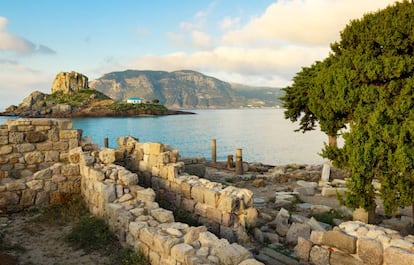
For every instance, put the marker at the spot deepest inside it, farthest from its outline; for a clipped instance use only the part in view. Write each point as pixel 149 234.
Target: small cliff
pixel 69 82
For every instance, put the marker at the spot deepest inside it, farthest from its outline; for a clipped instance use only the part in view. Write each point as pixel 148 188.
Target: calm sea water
pixel 263 134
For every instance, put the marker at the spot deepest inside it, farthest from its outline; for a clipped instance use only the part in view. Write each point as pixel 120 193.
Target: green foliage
pixel 93 234
pixel 77 98
pixel 329 216
pixel 366 83
pixel 59 214
pixel 141 108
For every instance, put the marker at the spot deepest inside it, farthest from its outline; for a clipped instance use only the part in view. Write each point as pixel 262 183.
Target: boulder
pixel 69 82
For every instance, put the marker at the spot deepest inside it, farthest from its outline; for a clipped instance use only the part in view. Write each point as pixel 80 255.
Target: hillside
pixel 71 97
pixel 183 89
pixel 259 96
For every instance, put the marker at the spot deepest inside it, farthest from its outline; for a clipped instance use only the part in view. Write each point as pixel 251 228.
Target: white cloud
pixel 273 65
pixel 18 81
pixel 229 23
pixel 272 47
pixel 316 22
pixel 14 43
pixel 200 39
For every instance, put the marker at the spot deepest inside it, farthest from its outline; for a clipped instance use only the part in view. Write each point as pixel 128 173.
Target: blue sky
pixel 259 42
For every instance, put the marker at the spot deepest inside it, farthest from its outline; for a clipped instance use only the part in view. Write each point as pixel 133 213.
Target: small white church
pixel 134 100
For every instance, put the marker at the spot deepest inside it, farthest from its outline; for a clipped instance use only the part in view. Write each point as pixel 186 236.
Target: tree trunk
pixel 332 140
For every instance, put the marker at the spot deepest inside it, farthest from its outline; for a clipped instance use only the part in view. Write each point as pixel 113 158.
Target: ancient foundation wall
pixel 111 191
pixel 226 210
pixel 357 243
pixel 28 149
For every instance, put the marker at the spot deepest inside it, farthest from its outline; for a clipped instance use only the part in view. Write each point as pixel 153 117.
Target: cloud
pixel 314 22
pixel 18 81
pixel 269 64
pixel 229 23
pixel 201 39
pixel 14 43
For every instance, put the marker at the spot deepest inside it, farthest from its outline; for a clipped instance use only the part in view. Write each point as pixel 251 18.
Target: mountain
pixel 259 96
pixel 71 97
pixel 184 89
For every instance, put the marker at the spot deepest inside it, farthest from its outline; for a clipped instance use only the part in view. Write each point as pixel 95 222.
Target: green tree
pixel 367 82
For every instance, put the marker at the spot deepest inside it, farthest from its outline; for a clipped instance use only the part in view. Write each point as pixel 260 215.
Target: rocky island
pixel 71 97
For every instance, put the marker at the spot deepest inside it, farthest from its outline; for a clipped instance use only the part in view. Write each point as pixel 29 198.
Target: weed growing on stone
pixel 60 214
pixel 329 216
pixel 93 234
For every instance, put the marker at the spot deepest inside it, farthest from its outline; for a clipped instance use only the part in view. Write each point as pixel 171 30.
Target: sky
pixel 260 42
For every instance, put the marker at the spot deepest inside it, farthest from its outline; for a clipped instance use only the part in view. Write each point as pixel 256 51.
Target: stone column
pixel 213 151
pixel 106 142
pixel 239 162
pixel 230 161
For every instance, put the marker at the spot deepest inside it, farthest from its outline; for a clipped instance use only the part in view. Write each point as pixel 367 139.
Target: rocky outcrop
pixel 69 82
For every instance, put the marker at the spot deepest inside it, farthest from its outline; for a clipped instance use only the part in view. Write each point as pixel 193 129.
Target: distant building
pixel 134 100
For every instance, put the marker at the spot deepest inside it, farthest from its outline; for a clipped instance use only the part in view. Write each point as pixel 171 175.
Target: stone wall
pixel 31 172
pixel 29 145
pixel 226 210
pixel 357 243
pixel 111 191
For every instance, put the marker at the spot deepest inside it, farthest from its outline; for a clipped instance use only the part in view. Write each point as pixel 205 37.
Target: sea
pixel 263 134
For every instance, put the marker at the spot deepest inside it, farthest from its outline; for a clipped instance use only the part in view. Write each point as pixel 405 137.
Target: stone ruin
pixel 47 162
pixel 69 82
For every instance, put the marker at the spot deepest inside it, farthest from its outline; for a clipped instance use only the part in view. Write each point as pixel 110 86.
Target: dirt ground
pixel 28 242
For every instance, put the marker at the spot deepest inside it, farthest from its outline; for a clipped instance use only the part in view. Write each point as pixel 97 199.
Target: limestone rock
pixel 69 82
pixel 319 255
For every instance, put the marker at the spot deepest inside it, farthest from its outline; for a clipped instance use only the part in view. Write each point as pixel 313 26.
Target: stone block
pixel 326 171
pixel 303 249
pixel 28 198
pixel 305 191
pixel 35 157
pixel 42 198
pixel 70 170
pixel 127 178
pixel 207 239
pixel 197 193
pixel 156 148
pixel 316 237
pixel 6 149
pixel 181 251
pixel 52 156
pixel 330 191
pixel 340 258
pixel 370 251
pixel 146 195
pixel 35 184
pixel 15 185
pixel 163 243
pixel 69 134
pixel 107 156
pixel 15 138
pixel 232 254
pixel 297 230
pixel 60 146
pixel 360 214
pixel 319 255
pixel 214 214
pixel 64 124
pixel 188 205
pixel 395 256
pixel 201 209
pixel 162 215
pixel 35 137
pixel 8 198
pixel 340 240
pixel 193 234
pixel 227 203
